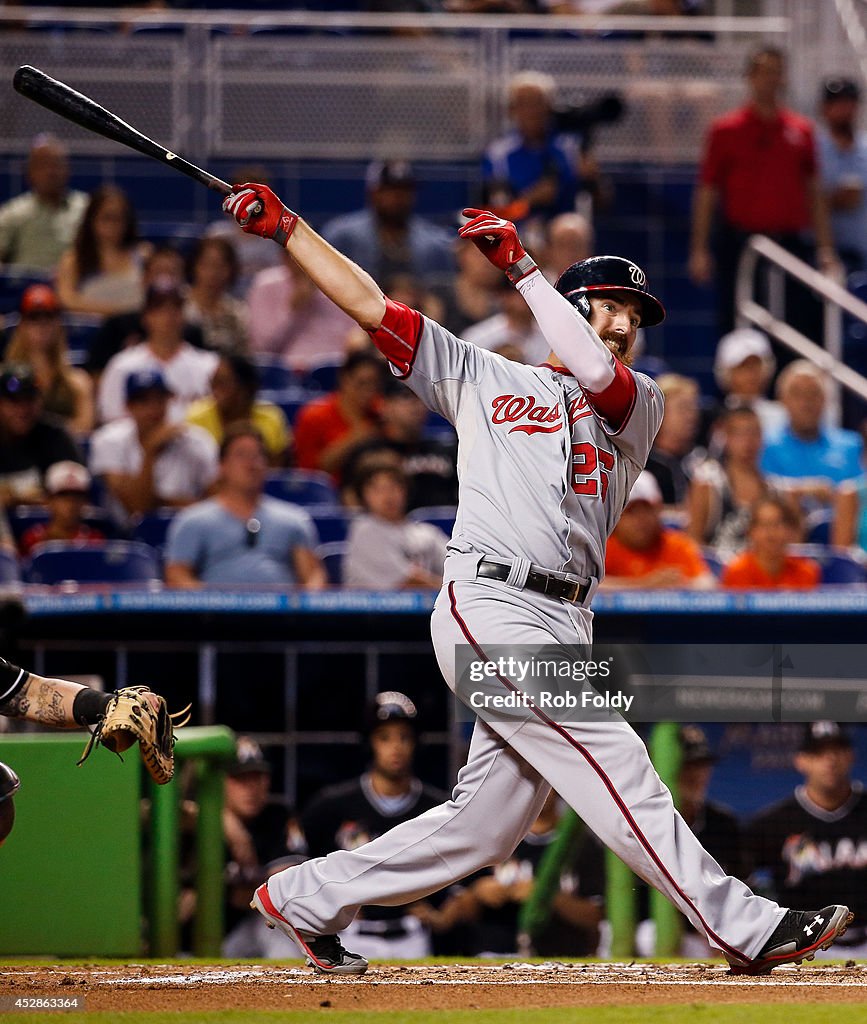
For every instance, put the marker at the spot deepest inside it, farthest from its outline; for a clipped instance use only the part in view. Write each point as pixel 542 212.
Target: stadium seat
pixel 289 399
pixel 118 561
pixel 302 486
pixel 840 566
pixel 818 526
pixel 10 571
pixel 442 516
pixel 274 376
pixel 714 562
pixel 331 523
pixel 152 528
pixel 322 377
pixel 331 555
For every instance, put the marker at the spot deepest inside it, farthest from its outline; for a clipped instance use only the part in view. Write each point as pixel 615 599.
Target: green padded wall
pixel 71 870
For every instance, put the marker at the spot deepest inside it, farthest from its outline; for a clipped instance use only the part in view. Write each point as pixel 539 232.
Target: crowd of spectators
pixel 214 386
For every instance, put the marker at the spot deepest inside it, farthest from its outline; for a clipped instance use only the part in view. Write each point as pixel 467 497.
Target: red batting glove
pixel 497 239
pixel 259 212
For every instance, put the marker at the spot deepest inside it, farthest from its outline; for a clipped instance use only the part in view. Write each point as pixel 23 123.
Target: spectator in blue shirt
pixel 843 169
pixel 806 457
pixel 387 237
pixel 534 170
pixel 243 536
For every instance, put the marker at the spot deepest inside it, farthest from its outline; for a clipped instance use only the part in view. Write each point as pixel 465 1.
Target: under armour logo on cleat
pixel 817 920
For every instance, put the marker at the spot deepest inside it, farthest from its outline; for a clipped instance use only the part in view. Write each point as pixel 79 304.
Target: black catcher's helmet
pixel 605 274
pixel 390 706
pixel 9 785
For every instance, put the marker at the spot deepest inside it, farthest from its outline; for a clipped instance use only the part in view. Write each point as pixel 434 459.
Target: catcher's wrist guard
pixel 89 706
pixel 135 713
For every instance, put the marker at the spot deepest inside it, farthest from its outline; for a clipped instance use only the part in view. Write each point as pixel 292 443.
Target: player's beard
pixel 615 344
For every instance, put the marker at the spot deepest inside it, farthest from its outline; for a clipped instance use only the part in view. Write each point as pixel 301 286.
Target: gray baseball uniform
pixel 545 468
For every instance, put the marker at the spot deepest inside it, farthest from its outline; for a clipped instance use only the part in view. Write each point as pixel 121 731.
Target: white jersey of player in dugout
pixel 546 459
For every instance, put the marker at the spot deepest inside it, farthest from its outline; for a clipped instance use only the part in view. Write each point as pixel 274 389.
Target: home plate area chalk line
pixel 511 974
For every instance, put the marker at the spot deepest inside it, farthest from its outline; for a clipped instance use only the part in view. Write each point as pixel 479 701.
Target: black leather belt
pixel 553 584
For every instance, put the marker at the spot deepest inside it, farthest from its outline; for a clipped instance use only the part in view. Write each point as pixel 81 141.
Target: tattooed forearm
pixel 39 700
pixel 17 706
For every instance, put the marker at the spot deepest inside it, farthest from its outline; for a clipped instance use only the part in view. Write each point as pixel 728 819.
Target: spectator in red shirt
pixel 327 428
pixel 760 168
pixel 767 563
pixel 67 485
pixel 642 553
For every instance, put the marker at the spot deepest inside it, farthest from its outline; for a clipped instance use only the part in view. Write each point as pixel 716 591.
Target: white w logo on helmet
pixel 637 275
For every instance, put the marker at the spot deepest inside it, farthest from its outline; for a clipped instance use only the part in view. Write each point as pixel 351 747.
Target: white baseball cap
pixel 737 346
pixel 67 476
pixel 646 489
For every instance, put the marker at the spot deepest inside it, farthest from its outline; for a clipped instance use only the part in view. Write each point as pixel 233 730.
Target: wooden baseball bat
pixel 74 106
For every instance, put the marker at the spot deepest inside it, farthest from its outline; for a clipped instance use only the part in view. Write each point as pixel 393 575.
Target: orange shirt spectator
pixel 673 550
pixel 643 553
pixel 745 571
pixel 767 563
pixel 327 428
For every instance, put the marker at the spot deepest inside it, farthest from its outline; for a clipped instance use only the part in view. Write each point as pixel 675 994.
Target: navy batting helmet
pixel 390 706
pixel 608 274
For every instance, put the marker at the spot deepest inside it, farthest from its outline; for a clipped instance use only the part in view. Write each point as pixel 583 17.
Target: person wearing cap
pixel 38 225
pixel 808 459
pixel 759 173
pixel 814 841
pixel 29 441
pixel 39 340
pixel 242 536
pixel 722 492
pixel 67 491
pixel 744 367
pixel 535 170
pixel 346 815
pixel 644 554
pixel 387 237
pixel 767 563
pixel 262 835
pixel 843 168
pixel 187 370
pixel 145 460
pixel 292 321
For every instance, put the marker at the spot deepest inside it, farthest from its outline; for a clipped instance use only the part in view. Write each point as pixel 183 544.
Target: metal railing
pixel 306 85
pixel 770 318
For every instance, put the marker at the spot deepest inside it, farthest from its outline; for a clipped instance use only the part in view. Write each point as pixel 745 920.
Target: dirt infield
pixel 153 987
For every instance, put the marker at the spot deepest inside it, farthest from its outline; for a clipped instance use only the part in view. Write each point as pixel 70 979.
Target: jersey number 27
pixel 586 459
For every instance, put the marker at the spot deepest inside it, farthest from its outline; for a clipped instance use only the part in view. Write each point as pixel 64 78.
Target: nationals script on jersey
pixel 542 474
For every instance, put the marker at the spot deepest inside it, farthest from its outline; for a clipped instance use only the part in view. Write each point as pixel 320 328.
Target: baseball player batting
pixel 547 456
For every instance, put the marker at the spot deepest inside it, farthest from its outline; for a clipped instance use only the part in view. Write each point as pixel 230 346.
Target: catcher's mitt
pixel 136 713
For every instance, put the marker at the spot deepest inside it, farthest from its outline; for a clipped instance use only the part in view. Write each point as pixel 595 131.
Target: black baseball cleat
pixel 798 937
pixel 325 953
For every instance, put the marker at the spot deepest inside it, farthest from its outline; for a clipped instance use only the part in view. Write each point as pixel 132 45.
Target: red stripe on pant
pixel 609 785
